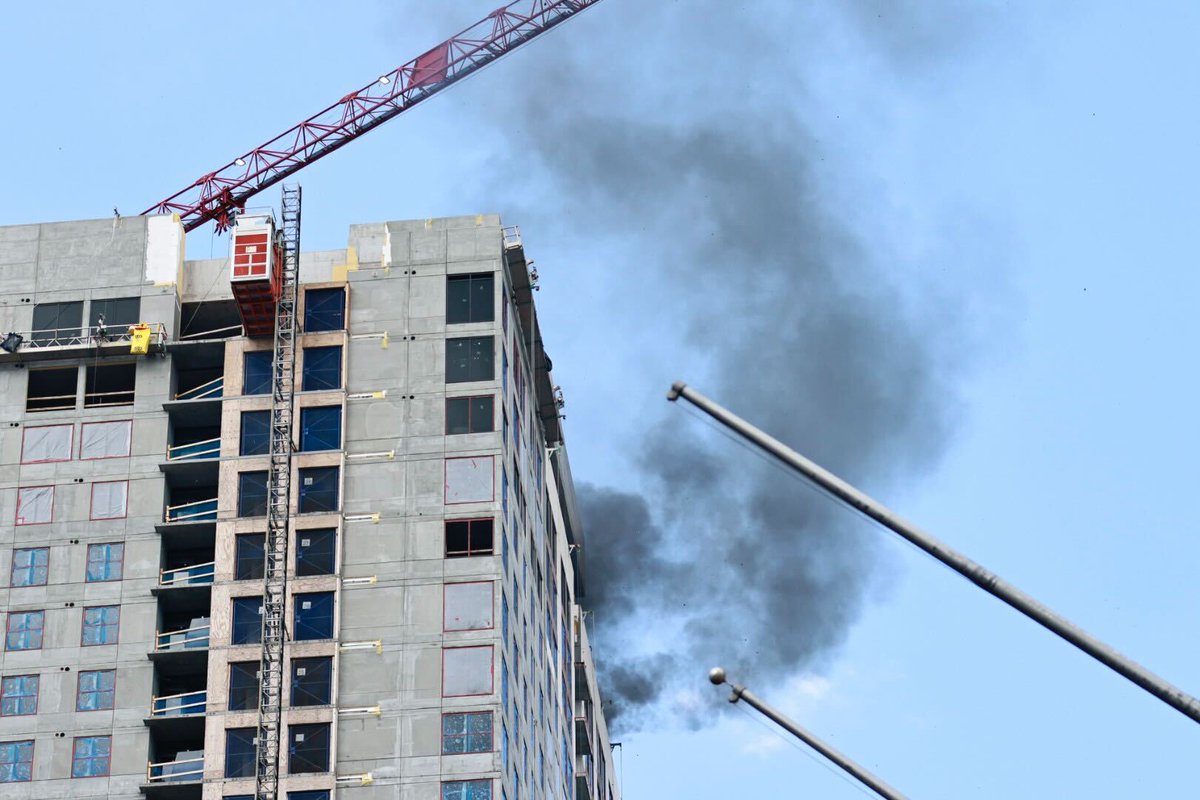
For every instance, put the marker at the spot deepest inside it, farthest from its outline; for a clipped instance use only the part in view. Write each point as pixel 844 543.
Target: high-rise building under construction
pixel 434 647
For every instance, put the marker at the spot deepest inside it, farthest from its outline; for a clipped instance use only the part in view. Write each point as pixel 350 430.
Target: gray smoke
pixel 680 132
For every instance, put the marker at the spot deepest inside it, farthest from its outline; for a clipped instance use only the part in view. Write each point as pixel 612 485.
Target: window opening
pixel 256 433
pixel 252 494
pixel 44 443
pixel 322 368
pixel 468 537
pixel 240 752
pixel 52 389
pixel 467 790
pixel 256 372
pixel 105 439
pixel 30 567
pixel 321 428
pixel 466 671
pixel 312 681
pixel 96 690
pixel 109 385
pixel 118 313
pixel 18 695
pixel 56 323
pixel 24 630
pixel 470 414
pixel 318 489
pixel 16 761
pixel 470 358
pixel 249 556
pixel 247 621
pixel 243 686
pixel 308 748
pixel 91 756
pixel 467 733
pixel 467 606
pixel 316 551
pixel 470 298
pixel 324 310
pixel 101 625
pixel 105 562
pixel 312 616
pixel 110 499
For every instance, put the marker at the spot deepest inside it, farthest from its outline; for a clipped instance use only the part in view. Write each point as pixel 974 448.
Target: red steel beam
pixel 220 194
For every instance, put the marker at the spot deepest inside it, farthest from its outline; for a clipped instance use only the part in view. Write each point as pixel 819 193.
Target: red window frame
pixel 75 751
pixel 12 568
pixel 491 423
pixel 446 586
pixel 470 551
pixel 491 670
pixel 491 715
pixel 79 679
pixel 37 695
pixel 8 630
pixel 446 484
pixel 17 516
pixel 83 626
pixel 92 501
pixel 128 422
pixel 88 557
pixel 70 445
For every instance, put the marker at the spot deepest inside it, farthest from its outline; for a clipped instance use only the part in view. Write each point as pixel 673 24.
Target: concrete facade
pixel 437 649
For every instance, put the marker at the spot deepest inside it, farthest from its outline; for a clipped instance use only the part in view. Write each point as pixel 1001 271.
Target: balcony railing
pixel 210 390
pixel 194 575
pixel 192 638
pixel 182 769
pixel 199 511
pixel 179 705
pixel 209 448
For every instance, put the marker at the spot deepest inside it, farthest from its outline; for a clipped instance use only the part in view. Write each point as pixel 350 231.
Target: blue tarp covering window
pixel 312 616
pixel 318 489
pixel 96 688
pixel 100 625
pixel 18 695
pixel 256 372
pixel 104 561
pixel 24 630
pixel 252 494
pixel 322 368
pixel 467 733
pixel 321 428
pixel 311 681
pixel 239 752
pixel 315 551
pixel 247 621
pixel 324 310
pixel 30 566
pixel 16 761
pixel 256 433
pixel 467 790
pixel 92 754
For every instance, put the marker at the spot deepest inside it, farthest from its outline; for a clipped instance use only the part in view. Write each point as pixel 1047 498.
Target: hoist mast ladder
pixel 279 492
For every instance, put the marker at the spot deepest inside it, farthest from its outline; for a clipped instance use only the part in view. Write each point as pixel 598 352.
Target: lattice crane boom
pixel 220 194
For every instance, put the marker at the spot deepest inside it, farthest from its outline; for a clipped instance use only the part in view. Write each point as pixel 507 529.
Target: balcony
pixel 193 638
pixel 178 705
pixel 198 511
pixel 179 779
pixel 178 717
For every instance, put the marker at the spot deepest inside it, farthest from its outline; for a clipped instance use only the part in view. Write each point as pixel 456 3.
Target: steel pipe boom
pixel 220 194
pixel 988 581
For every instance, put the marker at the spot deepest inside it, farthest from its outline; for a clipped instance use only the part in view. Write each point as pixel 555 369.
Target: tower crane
pixel 265 267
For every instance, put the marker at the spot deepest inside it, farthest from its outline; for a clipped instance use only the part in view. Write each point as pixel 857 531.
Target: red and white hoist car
pixel 256 271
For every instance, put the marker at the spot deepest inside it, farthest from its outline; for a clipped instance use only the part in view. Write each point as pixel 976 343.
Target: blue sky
pixel 1018 179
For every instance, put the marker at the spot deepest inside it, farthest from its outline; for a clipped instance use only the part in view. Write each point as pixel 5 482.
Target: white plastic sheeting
pixel 470 480
pixel 468 606
pixel 109 499
pixel 35 504
pixel 105 439
pixel 466 670
pixel 47 443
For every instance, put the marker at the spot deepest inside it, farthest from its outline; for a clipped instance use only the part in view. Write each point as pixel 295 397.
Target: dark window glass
pixel 119 313
pixel 247 621
pixel 249 556
pixel 252 494
pixel 324 310
pixel 312 616
pixel 318 489
pixel 256 433
pixel 322 368
pixel 239 752
pixel 470 414
pixel 312 679
pixel 315 551
pixel 321 428
pixel 308 748
pixel 30 566
pixel 52 389
pixel 467 733
pixel 470 358
pixel 91 756
pixel 256 372
pixel 467 790
pixel 95 690
pixel 468 537
pixel 470 298
pixel 18 695
pixel 243 686
pixel 312 794
pixel 53 321
pixel 108 385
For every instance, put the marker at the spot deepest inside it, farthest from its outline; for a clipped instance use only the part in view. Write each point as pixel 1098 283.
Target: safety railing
pixel 121 397
pixel 187 639
pixel 179 705
pixel 185 769
pixel 209 448
pixel 50 402
pixel 205 391
pixel 83 337
pixel 194 575
pixel 199 511
pixel 512 237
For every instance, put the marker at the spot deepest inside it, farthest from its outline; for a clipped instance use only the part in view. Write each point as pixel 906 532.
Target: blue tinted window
pixel 318 489
pixel 317 794
pixel 91 758
pixel 467 733
pixel 96 689
pixel 30 566
pixel 311 681
pixel 24 630
pixel 467 790
pixel 256 372
pixel 321 428
pixel 249 556
pixel 256 433
pixel 322 368
pixel 16 761
pixel 239 752
pixel 18 695
pixel 313 616
pixel 100 625
pixel 308 748
pixel 324 310
pixel 252 494
pixel 105 561
pixel 247 621
pixel 316 551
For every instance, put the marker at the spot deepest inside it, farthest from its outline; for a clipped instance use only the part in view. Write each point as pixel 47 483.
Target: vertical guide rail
pixel 279 486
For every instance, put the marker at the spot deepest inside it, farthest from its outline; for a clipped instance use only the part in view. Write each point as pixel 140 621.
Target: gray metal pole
pixel 988 581
pixel 717 676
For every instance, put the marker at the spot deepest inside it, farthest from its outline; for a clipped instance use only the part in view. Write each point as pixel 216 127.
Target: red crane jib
pixel 222 194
